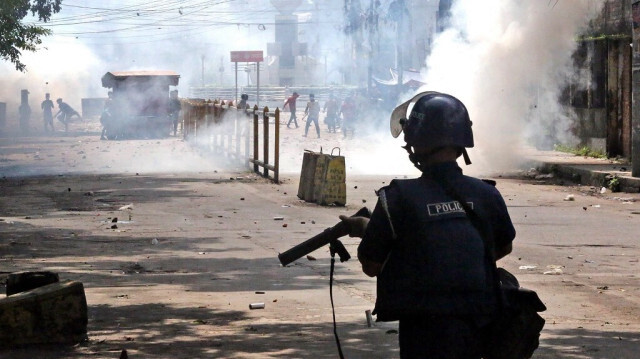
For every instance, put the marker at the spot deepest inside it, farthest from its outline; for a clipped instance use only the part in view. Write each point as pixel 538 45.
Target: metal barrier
pixel 226 131
pixel 275 167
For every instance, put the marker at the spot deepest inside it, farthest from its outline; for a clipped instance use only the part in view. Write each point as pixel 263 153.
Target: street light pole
pixel 202 58
pixel 400 61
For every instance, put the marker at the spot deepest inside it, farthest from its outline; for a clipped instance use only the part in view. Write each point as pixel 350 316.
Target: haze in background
pixel 191 37
pixel 507 60
pixel 91 38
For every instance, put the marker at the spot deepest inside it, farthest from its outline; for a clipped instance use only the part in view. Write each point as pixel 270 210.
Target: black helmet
pixel 436 120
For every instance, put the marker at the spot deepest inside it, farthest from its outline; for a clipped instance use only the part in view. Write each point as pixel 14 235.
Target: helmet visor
pixel 399 114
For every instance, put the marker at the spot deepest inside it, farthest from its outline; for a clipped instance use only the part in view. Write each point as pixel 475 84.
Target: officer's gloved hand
pixel 356 226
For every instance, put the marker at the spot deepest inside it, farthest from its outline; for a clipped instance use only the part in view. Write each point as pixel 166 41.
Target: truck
pixel 139 105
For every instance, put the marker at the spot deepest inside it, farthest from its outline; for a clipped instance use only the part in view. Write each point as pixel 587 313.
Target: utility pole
pixel 635 101
pixel 202 58
pixel 371 20
pixel 221 70
pixel 398 9
pixel 635 113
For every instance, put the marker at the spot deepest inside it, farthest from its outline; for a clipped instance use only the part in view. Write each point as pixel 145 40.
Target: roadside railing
pixel 264 163
pixel 235 134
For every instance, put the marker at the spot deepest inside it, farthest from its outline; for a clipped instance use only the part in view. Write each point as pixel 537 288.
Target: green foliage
pixel 613 183
pixel 584 151
pixel 15 35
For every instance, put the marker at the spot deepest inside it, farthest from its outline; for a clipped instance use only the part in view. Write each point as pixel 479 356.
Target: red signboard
pixel 247 56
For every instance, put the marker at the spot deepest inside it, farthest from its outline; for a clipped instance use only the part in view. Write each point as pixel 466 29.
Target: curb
pixel 586 176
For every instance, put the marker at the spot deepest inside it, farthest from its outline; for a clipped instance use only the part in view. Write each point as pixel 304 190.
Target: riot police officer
pixel 424 246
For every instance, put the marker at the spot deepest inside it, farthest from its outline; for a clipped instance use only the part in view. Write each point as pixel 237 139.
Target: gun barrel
pixel 306 247
pixel 318 240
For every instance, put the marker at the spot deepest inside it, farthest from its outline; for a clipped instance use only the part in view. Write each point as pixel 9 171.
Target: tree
pixel 15 35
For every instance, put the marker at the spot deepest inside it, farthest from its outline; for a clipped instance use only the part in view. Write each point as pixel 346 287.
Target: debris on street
pixel 553 270
pixel 527 267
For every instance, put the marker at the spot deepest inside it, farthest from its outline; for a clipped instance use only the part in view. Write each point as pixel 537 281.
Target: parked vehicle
pixel 140 103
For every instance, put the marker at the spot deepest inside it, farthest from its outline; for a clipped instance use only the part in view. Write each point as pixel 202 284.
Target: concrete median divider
pixel 24 281
pixel 52 314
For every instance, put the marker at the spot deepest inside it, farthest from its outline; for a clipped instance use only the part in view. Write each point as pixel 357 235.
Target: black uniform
pixel 436 279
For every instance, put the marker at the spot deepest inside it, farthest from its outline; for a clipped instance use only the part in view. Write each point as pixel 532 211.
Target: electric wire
pixel 162 20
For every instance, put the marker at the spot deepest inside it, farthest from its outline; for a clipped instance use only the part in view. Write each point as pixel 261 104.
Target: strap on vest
pixel 481 227
pixel 383 202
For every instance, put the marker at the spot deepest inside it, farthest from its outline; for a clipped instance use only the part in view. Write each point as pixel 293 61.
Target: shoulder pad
pixel 381 189
pixel 385 188
pixel 488 181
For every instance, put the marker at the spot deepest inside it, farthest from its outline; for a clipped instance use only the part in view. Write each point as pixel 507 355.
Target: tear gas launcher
pixel 328 236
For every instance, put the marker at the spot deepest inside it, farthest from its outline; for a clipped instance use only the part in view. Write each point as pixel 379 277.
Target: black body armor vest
pixel 437 263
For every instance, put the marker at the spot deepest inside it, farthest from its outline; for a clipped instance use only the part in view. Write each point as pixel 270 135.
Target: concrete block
pixel 23 281
pixel 52 314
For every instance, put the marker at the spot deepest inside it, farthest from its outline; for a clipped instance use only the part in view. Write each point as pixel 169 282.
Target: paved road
pixel 188 295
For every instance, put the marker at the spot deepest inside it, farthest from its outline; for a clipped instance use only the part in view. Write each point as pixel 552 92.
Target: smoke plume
pixel 508 61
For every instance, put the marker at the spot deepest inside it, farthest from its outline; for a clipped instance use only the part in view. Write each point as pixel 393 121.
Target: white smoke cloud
pixel 508 60
pixel 66 69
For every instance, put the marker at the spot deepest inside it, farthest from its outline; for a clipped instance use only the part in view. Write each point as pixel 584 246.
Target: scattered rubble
pixel 553 270
pixel 135 268
pixel 544 176
pixel 527 267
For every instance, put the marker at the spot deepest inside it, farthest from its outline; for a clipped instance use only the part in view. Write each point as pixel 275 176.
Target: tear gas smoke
pixel 508 61
pixel 61 68
pixel 192 38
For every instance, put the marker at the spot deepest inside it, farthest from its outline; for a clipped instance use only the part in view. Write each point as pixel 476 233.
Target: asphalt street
pixel 192 250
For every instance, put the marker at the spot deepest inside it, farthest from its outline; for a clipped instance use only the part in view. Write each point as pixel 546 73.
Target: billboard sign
pixel 247 56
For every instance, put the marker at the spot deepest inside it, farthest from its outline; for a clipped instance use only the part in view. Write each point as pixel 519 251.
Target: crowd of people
pixel 342 115
pixel 64 114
